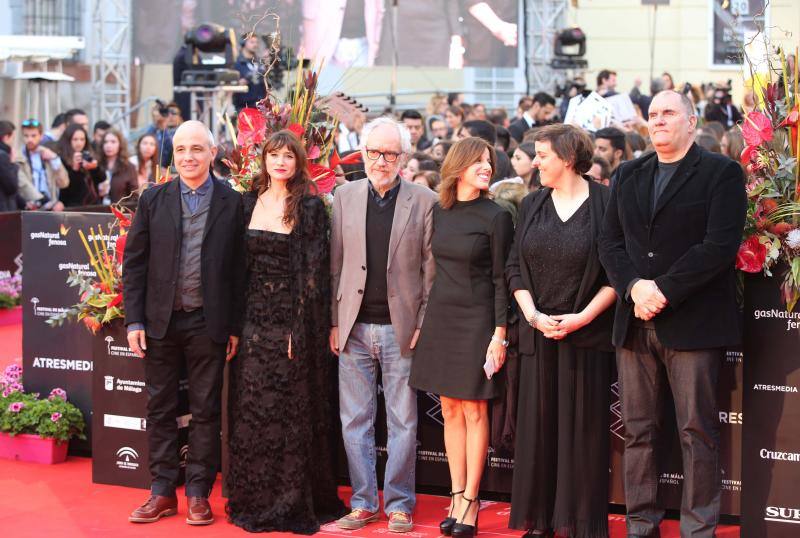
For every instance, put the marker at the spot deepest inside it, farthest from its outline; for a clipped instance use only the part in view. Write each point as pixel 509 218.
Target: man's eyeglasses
pixel 31 123
pixel 388 156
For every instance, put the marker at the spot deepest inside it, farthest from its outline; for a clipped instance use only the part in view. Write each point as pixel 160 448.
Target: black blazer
pixel 596 334
pixel 517 128
pixel 152 257
pixel 687 245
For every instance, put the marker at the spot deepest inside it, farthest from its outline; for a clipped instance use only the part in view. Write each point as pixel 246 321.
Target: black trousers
pixel 647 370
pixel 186 342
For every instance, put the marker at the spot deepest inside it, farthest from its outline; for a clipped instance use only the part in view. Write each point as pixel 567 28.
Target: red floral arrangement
pixel 101 294
pixel 772 229
pixel 305 117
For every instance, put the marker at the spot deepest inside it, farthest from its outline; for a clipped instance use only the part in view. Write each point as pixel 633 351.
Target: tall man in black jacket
pixel 671 232
pixel 183 278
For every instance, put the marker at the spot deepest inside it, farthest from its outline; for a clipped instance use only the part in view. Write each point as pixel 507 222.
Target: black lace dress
pixel 282 444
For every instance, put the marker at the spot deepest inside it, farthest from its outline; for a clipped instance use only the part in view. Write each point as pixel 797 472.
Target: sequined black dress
pixel 282 474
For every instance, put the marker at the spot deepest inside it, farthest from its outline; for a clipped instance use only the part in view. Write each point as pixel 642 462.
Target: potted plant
pixel 10 296
pixel 35 429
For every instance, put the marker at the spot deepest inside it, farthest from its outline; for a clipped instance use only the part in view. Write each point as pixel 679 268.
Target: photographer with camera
pixel 162 131
pixel 41 174
pixel 721 108
pixel 78 157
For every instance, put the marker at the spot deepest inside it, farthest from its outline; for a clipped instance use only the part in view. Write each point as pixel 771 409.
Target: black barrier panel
pixel 119 428
pixel 433 473
pixel 11 244
pixel 670 480
pixel 57 356
pixel 771 440
pixel 119 408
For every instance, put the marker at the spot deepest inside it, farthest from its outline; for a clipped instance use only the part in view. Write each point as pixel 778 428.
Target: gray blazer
pixel 409 270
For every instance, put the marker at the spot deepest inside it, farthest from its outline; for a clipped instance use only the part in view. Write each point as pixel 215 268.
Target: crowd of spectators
pixel 447 119
pixel 71 164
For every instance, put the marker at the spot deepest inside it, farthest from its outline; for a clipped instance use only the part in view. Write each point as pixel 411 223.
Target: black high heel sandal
pixel 446 525
pixel 460 530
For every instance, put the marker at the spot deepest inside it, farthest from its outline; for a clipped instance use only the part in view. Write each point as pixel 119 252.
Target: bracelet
pixel 534 318
pixel 504 343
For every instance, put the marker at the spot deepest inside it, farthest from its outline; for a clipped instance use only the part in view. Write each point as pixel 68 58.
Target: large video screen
pixel 347 33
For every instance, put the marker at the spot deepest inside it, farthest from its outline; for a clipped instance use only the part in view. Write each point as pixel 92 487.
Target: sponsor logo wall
pixel 57 356
pixel 433 473
pixel 771 438
pixel 119 441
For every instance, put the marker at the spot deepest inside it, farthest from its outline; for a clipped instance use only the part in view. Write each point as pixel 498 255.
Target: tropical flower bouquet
pixel 26 413
pixel 306 115
pixel 101 295
pixel 772 230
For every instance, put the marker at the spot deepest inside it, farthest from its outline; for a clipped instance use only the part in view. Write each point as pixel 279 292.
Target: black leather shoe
pixel 460 530
pixel 447 524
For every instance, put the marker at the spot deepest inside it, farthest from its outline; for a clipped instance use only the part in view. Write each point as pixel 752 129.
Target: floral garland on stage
pixel 770 158
pixel 307 116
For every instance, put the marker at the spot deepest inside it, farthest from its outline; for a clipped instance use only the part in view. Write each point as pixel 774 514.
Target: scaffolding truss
pixel 544 19
pixel 110 60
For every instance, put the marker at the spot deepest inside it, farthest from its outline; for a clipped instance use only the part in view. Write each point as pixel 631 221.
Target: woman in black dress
pixel 465 321
pixel 282 473
pixel 561 454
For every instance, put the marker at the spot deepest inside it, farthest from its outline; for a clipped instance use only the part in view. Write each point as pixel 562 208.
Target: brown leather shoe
pixel 199 512
pixel 154 509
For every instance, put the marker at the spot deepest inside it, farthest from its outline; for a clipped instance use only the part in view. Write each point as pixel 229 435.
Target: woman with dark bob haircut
pixel 564 345
pixel 282 472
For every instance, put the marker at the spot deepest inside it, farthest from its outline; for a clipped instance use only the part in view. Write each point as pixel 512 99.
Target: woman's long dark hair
pixel 141 161
pixel 65 150
pixel 122 156
pixel 298 185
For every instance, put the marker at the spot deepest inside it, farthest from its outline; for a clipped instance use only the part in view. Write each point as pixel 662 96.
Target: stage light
pixel 567 41
pixel 210 38
pixel 210 70
pixel 569 49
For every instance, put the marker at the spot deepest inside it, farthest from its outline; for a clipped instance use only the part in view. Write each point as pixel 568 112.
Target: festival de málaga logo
pixel 118 351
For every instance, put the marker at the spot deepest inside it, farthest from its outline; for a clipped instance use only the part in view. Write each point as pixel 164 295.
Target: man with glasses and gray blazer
pixel 382 270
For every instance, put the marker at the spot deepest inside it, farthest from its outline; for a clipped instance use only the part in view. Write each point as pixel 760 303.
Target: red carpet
pixel 10 345
pixel 61 500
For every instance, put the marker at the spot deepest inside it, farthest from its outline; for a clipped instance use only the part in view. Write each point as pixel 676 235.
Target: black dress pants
pixel 186 342
pixel 647 369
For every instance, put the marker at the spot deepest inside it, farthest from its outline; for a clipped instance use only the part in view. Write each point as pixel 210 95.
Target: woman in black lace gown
pixel 282 436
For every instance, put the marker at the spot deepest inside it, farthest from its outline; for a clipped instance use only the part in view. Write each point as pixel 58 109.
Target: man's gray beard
pixel 383 185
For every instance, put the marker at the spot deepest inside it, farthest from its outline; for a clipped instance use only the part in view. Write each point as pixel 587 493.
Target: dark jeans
pixel 187 341
pixel 647 370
